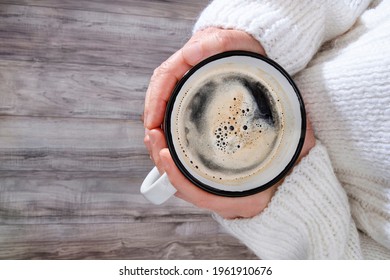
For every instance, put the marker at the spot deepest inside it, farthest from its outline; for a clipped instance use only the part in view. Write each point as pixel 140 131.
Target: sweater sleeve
pixel 308 217
pixel 290 31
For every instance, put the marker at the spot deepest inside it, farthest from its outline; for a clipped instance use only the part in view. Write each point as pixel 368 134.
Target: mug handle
pixel 156 188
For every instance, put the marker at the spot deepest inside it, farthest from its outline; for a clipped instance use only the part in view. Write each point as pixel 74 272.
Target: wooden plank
pixel 184 9
pixel 71 36
pixel 84 197
pixel 100 215
pixel 39 144
pixel 193 240
pixel 71 90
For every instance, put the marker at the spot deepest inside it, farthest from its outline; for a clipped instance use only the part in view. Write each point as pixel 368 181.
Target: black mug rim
pixel 168 135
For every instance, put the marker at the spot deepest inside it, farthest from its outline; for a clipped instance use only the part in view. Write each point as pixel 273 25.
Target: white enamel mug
pixel 157 189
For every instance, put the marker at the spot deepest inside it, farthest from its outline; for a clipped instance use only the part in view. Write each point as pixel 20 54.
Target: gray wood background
pixel 73 75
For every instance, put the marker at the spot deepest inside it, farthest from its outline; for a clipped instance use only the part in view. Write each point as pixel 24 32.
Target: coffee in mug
pixel 234 125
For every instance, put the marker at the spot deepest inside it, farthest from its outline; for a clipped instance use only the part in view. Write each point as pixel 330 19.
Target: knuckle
pixel 146 140
pixel 223 39
pixel 162 69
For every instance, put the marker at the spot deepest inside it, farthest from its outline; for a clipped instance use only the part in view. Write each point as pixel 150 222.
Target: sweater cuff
pixel 289 31
pixel 308 217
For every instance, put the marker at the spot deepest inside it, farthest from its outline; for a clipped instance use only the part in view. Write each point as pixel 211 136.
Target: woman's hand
pixel 202 45
pixel 227 207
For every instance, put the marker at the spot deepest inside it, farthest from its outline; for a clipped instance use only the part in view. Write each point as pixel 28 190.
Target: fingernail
pixel 192 53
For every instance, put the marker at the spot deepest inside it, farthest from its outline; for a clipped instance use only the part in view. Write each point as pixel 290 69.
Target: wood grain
pixel 41 34
pixel 120 241
pixel 72 145
pixel 71 90
pixel 82 197
pixel 183 9
pixel 73 77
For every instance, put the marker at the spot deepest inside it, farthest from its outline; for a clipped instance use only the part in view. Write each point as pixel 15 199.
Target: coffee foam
pixel 230 126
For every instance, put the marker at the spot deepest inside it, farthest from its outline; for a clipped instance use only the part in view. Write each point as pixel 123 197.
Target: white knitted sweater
pixel 336 202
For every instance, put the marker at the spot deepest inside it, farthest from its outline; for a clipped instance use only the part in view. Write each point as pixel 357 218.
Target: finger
pixel 161 85
pixel 148 144
pixel 157 143
pixel 185 189
pixel 210 41
pixel 214 40
pixel 227 207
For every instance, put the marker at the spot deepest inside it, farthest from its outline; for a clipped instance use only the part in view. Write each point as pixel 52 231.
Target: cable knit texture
pixel 290 31
pixel 313 206
pixel 336 202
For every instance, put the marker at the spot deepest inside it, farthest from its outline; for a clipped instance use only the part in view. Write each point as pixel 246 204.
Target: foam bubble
pixel 228 126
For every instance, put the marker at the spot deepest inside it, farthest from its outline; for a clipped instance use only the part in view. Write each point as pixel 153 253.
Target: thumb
pixel 185 189
pixel 211 41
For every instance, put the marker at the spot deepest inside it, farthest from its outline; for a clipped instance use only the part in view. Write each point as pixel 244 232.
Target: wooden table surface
pixel 73 76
